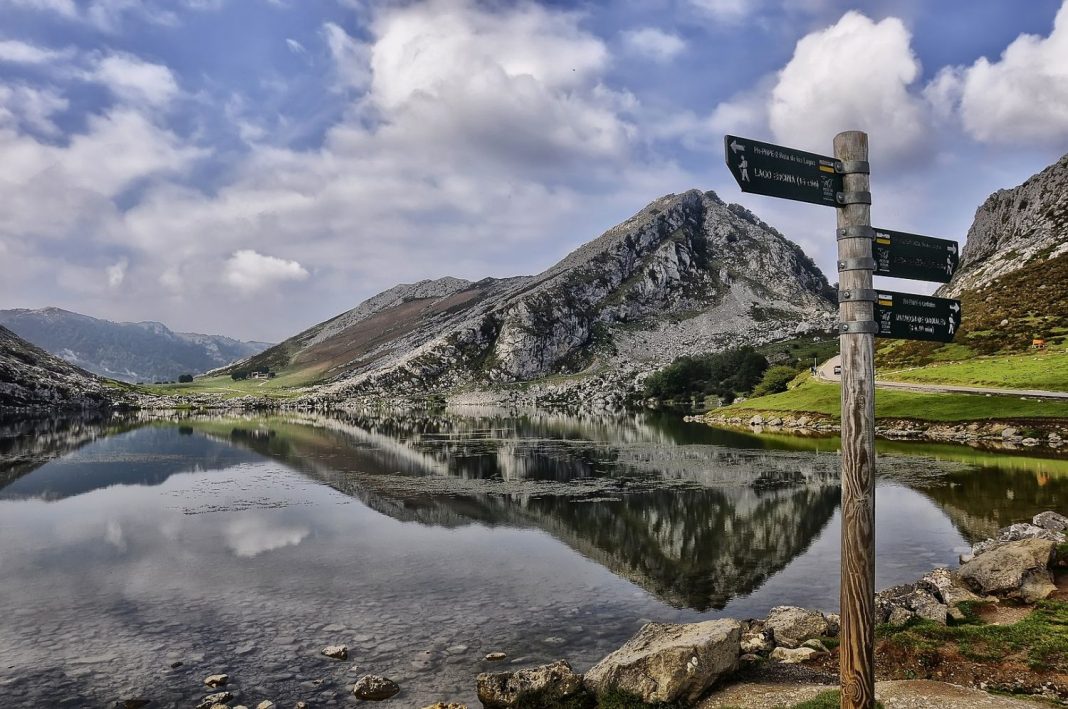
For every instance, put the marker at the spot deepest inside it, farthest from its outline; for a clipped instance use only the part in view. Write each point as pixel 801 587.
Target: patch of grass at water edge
pixel 1042 636
pixel 813 397
pixel 615 699
pixel 826 700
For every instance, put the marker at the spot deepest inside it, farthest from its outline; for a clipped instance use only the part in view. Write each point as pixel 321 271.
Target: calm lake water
pixel 247 545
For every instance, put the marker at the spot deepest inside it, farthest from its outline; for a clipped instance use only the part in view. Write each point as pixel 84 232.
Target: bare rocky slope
pixel 129 352
pixel 1013 228
pixel 688 274
pixel 32 381
pixel 1011 281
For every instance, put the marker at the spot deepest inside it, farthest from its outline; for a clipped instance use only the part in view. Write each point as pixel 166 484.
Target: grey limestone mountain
pixel 1015 227
pixel 143 351
pixel 31 381
pixel 687 274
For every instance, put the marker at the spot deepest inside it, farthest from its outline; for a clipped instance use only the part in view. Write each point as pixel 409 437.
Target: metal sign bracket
pixel 852 167
pixel 858 327
pixel 857 295
pixel 844 198
pixel 856 264
pixel 856 232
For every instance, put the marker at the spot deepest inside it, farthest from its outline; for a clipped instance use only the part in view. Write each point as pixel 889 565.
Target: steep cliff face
pixel 1014 228
pixel 33 380
pixel 687 274
pixel 1011 281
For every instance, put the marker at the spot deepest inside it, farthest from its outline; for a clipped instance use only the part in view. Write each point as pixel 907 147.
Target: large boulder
pixel 669 662
pixel 792 626
pixel 535 688
pixel 1014 569
pixel 926 606
pixel 1053 521
pixel 1017 532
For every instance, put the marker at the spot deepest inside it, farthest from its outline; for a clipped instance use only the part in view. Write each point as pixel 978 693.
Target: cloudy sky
pixel 252 167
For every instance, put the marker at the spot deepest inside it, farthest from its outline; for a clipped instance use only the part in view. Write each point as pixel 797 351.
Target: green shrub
pixel 775 380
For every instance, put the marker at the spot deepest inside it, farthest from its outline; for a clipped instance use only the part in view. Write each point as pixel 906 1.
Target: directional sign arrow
pixel 916 317
pixel 921 258
pixel 777 171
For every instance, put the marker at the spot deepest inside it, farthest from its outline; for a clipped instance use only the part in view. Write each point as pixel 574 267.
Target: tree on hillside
pixel 185 378
pixel 724 374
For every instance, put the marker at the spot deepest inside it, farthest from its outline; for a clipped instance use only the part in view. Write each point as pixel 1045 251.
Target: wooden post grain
pixel 858 446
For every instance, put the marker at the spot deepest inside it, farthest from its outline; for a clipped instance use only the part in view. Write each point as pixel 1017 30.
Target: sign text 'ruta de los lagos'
pixel 776 171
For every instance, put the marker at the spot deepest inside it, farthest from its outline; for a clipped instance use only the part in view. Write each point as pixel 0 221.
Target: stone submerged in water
pixel 213 699
pixel 336 652
pixel 1015 569
pixel 669 662
pixel 496 657
pixel 214 681
pixel 374 688
pixel 792 626
pixel 534 688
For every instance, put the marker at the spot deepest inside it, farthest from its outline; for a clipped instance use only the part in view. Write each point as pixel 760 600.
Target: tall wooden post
pixel 858 424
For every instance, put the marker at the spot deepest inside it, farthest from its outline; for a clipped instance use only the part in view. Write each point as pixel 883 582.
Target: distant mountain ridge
pixel 130 352
pixel 687 274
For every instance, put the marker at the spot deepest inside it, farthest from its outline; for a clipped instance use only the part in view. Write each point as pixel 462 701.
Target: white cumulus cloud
pixel 726 10
pixel 135 80
pixel 14 51
pixel 653 42
pixel 249 271
pixel 819 95
pixel 1020 98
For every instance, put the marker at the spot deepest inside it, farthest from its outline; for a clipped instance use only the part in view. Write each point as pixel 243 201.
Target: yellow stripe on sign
pixel 886 302
pixel 883 241
pixel 826 168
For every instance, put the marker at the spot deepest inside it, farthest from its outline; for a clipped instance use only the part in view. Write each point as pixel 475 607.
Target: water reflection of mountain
pixel 125 453
pixel 736 518
pixel 28 443
pixel 687 514
pixel 982 501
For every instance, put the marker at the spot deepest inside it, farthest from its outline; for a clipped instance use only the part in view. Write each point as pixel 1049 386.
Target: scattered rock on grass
pixel 792 625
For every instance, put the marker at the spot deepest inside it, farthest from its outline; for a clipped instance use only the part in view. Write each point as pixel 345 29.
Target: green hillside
pixel 1000 318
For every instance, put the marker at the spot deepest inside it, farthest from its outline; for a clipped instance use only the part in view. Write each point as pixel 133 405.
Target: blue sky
pixel 251 167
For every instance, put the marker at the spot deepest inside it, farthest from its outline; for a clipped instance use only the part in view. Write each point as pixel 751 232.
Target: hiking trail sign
pixel 916 317
pixel 921 258
pixel 777 171
pixel 843 182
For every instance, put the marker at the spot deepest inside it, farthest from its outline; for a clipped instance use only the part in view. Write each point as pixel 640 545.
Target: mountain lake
pixel 245 545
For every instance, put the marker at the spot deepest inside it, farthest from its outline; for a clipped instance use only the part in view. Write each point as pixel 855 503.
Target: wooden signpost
pixel 842 181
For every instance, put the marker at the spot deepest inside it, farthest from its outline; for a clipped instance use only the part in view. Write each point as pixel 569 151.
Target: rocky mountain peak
pixel 1015 227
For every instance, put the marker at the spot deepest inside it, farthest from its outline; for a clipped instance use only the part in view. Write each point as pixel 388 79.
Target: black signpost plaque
pixel 764 168
pixel 921 258
pixel 916 317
